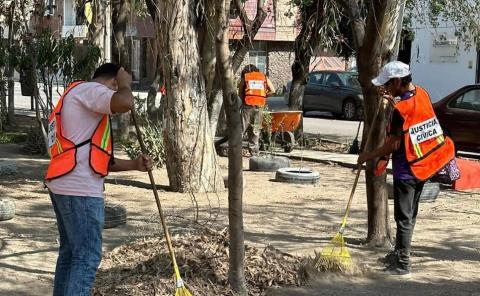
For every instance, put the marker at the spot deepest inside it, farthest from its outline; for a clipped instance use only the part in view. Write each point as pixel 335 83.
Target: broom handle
pixel 155 193
pixel 359 169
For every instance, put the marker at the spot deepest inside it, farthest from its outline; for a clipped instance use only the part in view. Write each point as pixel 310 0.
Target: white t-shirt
pixel 83 108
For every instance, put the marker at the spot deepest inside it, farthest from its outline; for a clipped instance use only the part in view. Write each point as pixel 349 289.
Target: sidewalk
pixel 345 160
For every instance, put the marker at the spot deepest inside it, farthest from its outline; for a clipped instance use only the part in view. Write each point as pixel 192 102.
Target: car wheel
pixel 349 109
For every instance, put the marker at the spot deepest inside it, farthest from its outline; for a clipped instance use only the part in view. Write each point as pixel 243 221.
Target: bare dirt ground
pixel 298 219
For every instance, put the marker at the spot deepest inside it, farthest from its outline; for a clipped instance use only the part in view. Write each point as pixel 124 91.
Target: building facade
pixel 440 62
pixel 272 49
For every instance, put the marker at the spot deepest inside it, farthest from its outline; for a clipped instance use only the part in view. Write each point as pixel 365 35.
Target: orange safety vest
pixel 63 151
pixel 255 89
pixel 427 149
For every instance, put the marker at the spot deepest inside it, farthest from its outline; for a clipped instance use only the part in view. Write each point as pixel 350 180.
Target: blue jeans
pixel 80 223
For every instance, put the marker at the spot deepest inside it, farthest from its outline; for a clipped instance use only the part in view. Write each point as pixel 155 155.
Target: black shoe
pixel 395 271
pixel 389 259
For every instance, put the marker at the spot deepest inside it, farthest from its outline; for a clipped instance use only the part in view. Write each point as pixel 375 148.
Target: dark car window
pixel 468 101
pixel 350 79
pixel 331 79
pixel 315 78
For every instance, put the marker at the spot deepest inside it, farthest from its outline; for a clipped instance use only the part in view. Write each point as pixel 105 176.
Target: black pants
pixel 406 197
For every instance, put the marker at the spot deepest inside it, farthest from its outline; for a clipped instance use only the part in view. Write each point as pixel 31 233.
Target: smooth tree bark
pixel 120 10
pixel 190 153
pixel 374 39
pixel 236 274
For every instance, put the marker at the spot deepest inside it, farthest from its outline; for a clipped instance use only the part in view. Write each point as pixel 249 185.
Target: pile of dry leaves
pixel 143 267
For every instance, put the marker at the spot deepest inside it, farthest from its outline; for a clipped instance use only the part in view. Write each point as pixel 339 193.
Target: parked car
pixel 459 115
pixel 336 92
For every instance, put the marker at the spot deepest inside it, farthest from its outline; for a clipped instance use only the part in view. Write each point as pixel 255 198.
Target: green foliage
pixel 152 137
pixel 460 15
pixel 12 138
pixel 56 58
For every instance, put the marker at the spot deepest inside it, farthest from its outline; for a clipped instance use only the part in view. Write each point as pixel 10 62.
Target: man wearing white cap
pixel 419 149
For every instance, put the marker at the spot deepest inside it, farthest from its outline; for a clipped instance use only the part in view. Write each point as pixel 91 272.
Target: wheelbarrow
pixel 282 127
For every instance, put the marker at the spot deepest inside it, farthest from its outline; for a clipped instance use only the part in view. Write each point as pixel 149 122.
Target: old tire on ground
pixel 268 163
pixel 297 176
pixel 7 209
pixel 115 215
pixel 429 194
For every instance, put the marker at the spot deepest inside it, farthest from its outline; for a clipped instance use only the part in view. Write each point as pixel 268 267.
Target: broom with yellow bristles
pixel 180 289
pixel 335 256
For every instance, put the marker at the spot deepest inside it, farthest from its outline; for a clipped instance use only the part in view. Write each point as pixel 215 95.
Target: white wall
pixel 440 78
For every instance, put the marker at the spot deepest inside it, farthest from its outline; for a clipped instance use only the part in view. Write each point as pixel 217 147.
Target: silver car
pixel 336 92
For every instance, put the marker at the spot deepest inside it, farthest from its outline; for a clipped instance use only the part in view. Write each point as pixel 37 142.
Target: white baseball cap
pixel 391 70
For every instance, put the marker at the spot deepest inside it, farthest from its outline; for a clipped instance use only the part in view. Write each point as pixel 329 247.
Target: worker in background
pixel 81 147
pixel 253 90
pixel 420 150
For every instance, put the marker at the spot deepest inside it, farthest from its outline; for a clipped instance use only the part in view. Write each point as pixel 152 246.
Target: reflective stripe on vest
pixel 427 149
pixel 63 151
pixel 255 89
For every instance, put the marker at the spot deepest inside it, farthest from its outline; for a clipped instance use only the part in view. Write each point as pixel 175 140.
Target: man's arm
pixel 391 145
pixel 122 101
pixel 142 163
pixel 241 88
pixel 270 87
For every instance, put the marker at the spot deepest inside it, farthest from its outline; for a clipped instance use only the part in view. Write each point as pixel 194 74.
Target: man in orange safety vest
pixel 253 90
pixel 81 149
pixel 420 150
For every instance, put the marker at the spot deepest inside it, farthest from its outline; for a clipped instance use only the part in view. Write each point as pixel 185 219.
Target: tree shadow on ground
pixel 332 285
pixel 138 184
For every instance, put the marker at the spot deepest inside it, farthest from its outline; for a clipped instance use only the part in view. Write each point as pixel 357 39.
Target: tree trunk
pixel 190 153
pixel 305 44
pixel 10 68
pixel 3 103
pixel 120 9
pixel 215 100
pixel 371 53
pixel 152 110
pixel 96 29
pixel 236 272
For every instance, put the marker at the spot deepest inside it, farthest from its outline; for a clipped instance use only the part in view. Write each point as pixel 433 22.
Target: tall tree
pixel 236 276
pixel 10 67
pixel 120 10
pixel 241 47
pixel 375 30
pixel 190 153
pixel 373 37
pixel 319 23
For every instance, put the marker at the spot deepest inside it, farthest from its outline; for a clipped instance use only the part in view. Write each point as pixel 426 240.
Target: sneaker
pixel 389 259
pixel 394 271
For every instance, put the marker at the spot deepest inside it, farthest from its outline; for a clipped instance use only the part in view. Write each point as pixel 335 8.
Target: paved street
pixel 315 123
pixel 320 123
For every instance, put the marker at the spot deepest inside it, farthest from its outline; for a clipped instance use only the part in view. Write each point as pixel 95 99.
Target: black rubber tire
pixel 289 142
pixel 268 163
pixel 7 209
pixel 349 115
pixel 430 192
pixel 297 176
pixel 115 215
